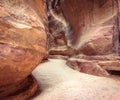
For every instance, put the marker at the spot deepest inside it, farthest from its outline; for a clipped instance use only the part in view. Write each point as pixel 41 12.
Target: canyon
pixel 59 50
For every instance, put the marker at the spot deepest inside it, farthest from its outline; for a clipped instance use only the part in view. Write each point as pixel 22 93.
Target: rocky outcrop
pixel 96 65
pixel 22 39
pixel 21 90
pixel 93 32
pixel 58 30
pixel 89 27
pixel 62 50
pixel 75 26
pixel 93 24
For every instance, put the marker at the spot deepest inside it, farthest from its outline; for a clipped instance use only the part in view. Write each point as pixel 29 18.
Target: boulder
pixel 22 39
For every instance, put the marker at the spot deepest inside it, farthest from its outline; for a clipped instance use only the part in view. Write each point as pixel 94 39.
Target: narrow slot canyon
pixel 59 49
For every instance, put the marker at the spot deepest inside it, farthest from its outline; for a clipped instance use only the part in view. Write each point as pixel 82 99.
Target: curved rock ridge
pixel 22 38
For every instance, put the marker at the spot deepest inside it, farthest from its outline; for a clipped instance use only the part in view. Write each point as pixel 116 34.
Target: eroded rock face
pixel 101 43
pixel 58 35
pixel 22 38
pixel 96 65
pixel 21 90
pixel 93 22
pixel 56 23
pixel 62 50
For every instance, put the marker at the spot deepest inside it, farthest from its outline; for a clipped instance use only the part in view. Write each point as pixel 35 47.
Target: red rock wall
pixel 22 38
pixel 92 22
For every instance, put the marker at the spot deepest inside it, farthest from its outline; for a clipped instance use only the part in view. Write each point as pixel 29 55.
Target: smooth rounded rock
pixel 22 38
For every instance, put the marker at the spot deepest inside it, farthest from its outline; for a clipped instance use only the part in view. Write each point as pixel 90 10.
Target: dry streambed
pixel 59 82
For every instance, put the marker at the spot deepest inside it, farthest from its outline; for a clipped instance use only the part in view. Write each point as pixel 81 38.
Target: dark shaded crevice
pixel 116 28
pixel 113 72
pixel 58 22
